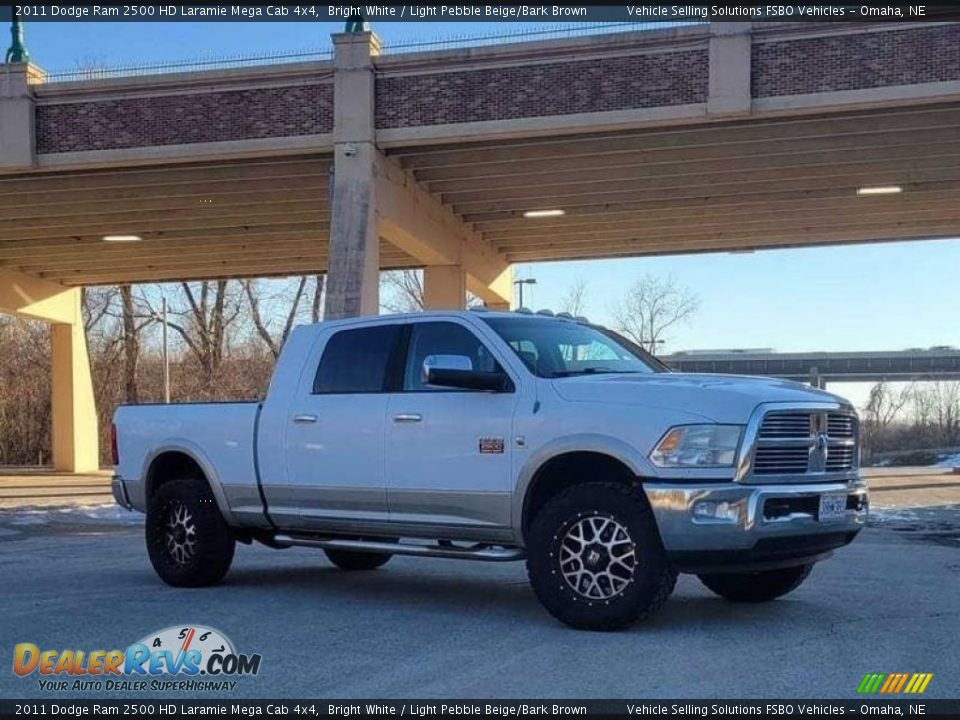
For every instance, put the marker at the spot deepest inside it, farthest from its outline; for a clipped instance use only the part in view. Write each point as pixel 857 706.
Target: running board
pixel 481 552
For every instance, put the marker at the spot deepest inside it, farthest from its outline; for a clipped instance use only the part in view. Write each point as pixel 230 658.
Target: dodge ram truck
pixel 503 436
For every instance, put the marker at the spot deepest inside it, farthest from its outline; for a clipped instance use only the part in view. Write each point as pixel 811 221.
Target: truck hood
pixel 720 398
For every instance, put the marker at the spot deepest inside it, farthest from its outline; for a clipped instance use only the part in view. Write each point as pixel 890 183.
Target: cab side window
pixel 443 338
pixel 356 361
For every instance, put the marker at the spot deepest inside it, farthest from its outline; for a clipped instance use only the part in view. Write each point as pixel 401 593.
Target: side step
pixel 477 552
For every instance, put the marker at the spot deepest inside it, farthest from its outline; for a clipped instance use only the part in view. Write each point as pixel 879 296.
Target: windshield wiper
pixel 592 371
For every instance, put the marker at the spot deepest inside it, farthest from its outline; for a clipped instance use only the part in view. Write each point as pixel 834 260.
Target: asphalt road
pixel 442 629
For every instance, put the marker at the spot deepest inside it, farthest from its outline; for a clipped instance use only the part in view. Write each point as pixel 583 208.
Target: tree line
pixel 920 418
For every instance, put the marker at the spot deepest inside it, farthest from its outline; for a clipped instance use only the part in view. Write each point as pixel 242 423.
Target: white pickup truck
pixel 503 436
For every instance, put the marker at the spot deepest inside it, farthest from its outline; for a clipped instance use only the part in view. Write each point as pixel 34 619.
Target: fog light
pixel 716 511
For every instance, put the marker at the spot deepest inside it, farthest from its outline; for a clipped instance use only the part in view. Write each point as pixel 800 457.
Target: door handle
pixel 407 417
pixel 304 419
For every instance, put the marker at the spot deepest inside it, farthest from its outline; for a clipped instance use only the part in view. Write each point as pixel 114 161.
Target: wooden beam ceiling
pixel 740 185
pixel 731 186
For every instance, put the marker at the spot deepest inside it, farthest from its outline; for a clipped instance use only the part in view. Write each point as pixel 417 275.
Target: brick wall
pixel 175 119
pixel 856 61
pixel 560 88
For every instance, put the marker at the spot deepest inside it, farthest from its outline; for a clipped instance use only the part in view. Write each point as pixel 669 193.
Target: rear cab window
pixel 357 360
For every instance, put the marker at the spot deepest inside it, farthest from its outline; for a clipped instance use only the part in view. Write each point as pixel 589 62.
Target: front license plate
pixel 833 506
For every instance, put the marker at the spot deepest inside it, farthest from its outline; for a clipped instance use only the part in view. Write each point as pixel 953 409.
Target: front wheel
pixel 595 559
pixel 757 587
pixel 188 542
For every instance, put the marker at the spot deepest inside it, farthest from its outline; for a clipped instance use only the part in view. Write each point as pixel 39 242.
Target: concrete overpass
pixel 718 137
pixel 818 368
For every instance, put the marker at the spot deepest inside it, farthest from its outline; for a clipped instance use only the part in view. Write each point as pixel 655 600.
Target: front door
pixel 448 450
pixel 335 433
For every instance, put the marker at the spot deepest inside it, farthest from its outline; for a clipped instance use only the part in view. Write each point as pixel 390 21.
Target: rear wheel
pixel 356 560
pixel 188 541
pixel 595 559
pixel 757 587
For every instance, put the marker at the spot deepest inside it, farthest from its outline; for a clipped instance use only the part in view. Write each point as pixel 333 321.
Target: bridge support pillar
pixel 17 130
pixel 816 379
pixel 729 86
pixel 444 287
pixel 75 435
pixel 353 274
pixel 374 198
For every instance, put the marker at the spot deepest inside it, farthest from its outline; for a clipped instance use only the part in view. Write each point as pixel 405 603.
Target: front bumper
pixel 763 526
pixel 119 488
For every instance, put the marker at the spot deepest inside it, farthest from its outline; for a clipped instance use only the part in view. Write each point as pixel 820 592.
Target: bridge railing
pixel 184 66
pixel 528 34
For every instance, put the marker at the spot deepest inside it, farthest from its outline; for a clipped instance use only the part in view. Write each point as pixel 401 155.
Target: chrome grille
pixel 785 425
pixel 840 426
pixel 803 442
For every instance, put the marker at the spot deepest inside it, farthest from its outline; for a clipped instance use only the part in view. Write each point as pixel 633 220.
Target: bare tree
pixel 96 303
pixel 574 301
pixel 651 307
pixel 315 305
pixel 883 407
pixel 210 309
pixel 402 291
pixel 274 342
pixel 937 408
pixel 131 345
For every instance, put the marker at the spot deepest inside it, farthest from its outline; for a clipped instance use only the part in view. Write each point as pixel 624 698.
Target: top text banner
pixel 567 12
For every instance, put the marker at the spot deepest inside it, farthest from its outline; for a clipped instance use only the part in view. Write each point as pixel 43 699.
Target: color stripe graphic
pixel 894 683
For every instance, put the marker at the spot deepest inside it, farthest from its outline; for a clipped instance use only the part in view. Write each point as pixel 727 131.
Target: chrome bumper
pixel 753 526
pixel 120 492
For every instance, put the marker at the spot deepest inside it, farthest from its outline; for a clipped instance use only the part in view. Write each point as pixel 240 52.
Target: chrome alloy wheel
pixel 598 557
pixel 181 534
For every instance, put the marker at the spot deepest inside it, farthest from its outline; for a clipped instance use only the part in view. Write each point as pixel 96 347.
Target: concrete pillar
pixel 75 435
pixel 353 274
pixel 816 379
pixel 17 128
pixel 730 89
pixel 444 287
pixel 76 445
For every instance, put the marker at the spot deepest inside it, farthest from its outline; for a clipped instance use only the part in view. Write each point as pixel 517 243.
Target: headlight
pixel 698 446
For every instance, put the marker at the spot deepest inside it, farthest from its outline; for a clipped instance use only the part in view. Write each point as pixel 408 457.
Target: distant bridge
pixel 819 367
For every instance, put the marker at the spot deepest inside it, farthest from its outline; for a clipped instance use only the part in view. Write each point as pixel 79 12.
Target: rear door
pixel 449 450
pixel 335 429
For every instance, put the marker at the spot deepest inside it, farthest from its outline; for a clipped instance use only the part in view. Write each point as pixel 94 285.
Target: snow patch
pixel 88 514
pixel 949 461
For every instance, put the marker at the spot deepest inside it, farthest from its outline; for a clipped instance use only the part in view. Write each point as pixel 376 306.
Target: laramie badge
pixel 491 446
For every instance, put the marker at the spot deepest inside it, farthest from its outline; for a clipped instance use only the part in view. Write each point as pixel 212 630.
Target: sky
pixel 859 297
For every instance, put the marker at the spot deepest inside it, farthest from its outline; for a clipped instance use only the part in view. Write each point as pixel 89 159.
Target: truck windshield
pixel 560 348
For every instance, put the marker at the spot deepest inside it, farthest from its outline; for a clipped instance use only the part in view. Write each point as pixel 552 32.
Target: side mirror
pixel 456 371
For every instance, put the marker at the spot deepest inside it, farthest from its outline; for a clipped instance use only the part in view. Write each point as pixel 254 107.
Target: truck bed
pixel 219 435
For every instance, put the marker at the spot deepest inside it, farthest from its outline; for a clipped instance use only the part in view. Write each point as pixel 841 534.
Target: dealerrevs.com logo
pixel 182 657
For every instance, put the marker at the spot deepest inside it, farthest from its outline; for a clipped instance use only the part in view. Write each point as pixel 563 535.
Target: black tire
pixel 757 587
pixel 175 508
pixel 356 560
pixel 621 593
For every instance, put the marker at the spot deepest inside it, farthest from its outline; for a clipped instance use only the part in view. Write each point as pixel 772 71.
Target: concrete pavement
pixel 890 602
